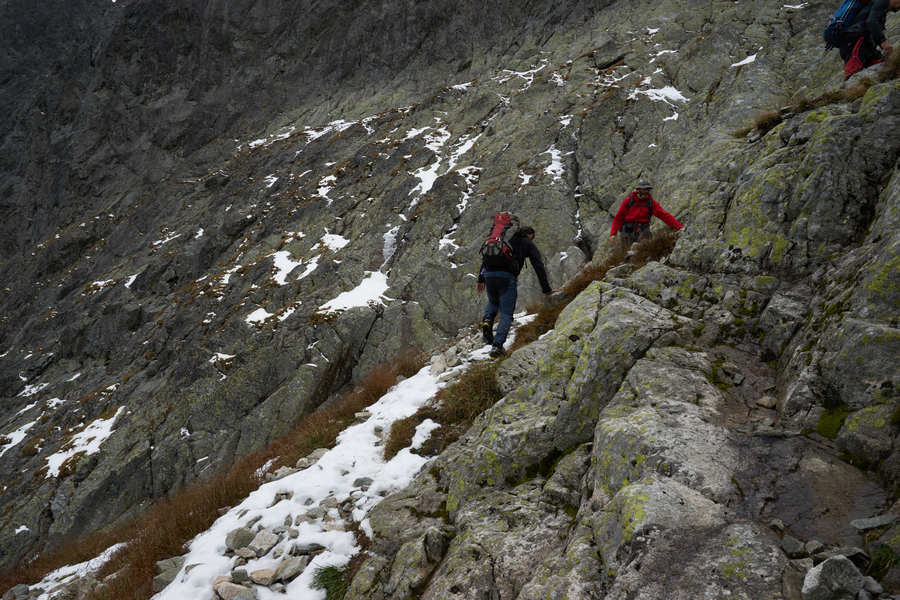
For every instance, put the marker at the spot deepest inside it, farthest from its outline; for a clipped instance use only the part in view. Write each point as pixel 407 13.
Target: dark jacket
pixel 523 248
pixel 640 211
pixel 870 21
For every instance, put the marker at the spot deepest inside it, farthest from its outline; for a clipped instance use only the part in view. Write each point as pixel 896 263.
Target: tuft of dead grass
pixel 766 121
pixel 163 529
pixel 455 408
pixel 653 248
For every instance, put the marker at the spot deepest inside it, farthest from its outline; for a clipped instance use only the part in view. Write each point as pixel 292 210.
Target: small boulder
pixel 264 541
pixel 18 592
pixel 835 579
pixel 231 591
pixel 793 547
pixel 170 564
pixel 281 473
pixel 240 576
pixel 264 577
pixel 307 549
pixel 166 572
pixel 238 538
pixel 291 568
pixel 872 586
pixel 813 547
pixel 311 458
pixel 362 482
pixel 863 525
pixel 767 402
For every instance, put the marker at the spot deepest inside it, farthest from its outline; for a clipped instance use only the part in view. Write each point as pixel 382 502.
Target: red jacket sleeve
pixel 619 219
pixel 668 219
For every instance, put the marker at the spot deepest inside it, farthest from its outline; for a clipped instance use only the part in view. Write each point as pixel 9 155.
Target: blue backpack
pixel 844 15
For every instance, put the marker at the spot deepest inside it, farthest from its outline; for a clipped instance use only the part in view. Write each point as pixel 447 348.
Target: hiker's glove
pixel 479 287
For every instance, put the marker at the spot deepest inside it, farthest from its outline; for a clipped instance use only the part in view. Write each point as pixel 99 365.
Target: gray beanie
pixel 644 185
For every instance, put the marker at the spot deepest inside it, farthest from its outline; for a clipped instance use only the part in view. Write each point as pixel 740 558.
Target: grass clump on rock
pixel 333 580
pixel 831 421
pixel 454 408
pixel 653 248
pixel 766 121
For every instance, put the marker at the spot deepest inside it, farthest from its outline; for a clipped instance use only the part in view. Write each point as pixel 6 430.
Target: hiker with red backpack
pixel 503 256
pixel 857 30
pixel 633 216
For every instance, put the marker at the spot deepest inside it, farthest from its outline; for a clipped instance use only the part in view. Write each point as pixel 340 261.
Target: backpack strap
pixel 648 204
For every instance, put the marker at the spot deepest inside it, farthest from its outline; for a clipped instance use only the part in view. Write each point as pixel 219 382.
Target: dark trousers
pixel 501 288
pixel 633 232
pixel 858 52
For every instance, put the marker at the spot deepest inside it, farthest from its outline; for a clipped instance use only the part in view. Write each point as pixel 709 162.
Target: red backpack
pixel 496 249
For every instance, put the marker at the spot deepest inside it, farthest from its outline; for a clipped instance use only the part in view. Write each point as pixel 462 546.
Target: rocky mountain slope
pixel 217 215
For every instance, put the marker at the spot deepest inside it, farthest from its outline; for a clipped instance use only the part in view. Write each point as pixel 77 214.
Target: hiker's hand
pixel 612 239
pixel 887 49
pixel 479 287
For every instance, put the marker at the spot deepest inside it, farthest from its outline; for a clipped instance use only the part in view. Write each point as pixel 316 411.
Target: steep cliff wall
pixel 186 200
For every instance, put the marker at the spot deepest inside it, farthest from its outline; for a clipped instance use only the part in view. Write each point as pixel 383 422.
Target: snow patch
pixel 370 291
pixel 746 61
pixel 258 316
pixel 333 242
pixel 71 573
pixel 15 437
pixel 666 94
pixel 283 266
pixel 31 390
pixel 390 243
pixel 87 441
pixel 555 168
pixel 168 237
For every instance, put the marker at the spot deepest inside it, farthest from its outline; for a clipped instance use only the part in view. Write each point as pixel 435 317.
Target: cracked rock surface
pixel 188 192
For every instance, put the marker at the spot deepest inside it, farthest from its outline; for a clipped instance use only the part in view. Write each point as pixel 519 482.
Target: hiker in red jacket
pixel 633 218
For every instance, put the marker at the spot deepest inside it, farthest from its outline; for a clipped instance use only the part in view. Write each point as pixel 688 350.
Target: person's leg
pixel 494 287
pixel 645 234
pixel 625 240
pixel 869 54
pixel 850 53
pixel 507 303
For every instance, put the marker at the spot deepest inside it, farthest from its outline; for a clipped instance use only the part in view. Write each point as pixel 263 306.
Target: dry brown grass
pixel 765 122
pixel 454 407
pixel 401 435
pixel 656 247
pixel 164 528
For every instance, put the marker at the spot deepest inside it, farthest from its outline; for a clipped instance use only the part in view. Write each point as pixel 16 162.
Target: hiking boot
pixel 497 352
pixel 487 332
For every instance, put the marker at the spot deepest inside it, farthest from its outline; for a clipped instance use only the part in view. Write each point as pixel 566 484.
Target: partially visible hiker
pixel 633 216
pixel 860 40
pixel 499 276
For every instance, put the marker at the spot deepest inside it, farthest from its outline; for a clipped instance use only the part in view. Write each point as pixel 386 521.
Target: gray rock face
pixel 183 189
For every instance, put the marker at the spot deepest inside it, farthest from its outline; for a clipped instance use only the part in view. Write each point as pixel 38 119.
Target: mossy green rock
pixel 556 408
pixel 868 434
